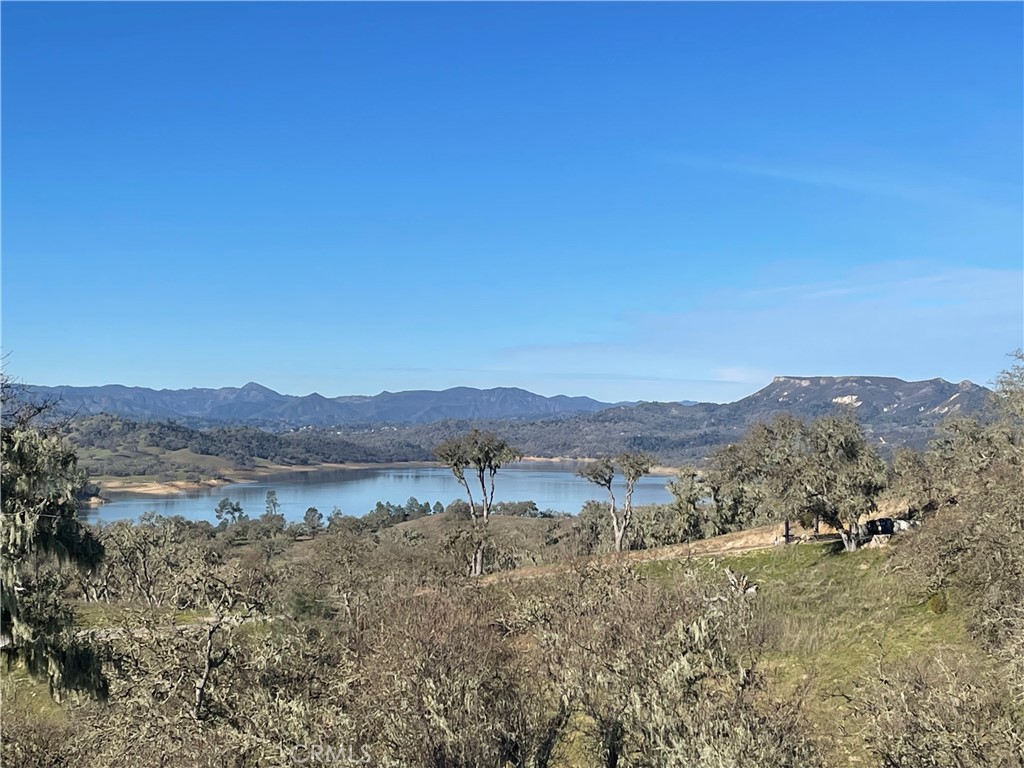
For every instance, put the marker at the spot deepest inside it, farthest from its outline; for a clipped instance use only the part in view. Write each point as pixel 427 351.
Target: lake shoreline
pixel 357 488
pixel 149 487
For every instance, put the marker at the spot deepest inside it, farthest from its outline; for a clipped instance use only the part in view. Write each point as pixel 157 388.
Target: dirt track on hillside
pixel 735 543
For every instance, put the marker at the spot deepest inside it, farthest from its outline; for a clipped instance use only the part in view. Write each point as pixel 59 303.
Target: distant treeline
pixel 127 447
pixel 673 435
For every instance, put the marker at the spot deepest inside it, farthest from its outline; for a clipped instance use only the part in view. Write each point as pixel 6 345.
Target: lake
pixel 551 485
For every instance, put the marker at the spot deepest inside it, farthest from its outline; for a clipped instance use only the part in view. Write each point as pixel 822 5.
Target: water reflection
pixel 552 486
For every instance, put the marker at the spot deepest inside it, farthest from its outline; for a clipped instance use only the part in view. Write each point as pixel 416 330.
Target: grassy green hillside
pixel 835 619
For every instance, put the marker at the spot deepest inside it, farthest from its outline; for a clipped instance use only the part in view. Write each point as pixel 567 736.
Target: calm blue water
pixel 355 491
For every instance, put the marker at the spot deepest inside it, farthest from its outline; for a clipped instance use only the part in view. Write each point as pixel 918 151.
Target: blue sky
pixel 628 201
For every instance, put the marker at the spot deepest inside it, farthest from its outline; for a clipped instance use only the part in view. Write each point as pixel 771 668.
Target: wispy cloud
pixel 910 186
pixel 957 323
pixel 908 319
pixel 742 375
pixel 911 319
pixel 907 279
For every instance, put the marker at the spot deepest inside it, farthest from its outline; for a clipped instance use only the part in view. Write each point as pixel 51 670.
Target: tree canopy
pixel 40 484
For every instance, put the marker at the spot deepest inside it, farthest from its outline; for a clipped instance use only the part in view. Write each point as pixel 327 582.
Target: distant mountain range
pixel 255 404
pixel 893 412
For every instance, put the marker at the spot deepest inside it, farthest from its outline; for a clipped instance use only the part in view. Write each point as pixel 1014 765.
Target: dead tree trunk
pixel 849 537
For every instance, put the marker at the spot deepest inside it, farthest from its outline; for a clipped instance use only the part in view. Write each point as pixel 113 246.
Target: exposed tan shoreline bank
pixel 158 488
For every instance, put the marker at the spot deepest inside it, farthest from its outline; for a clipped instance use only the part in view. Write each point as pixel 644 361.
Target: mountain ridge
pixel 892 411
pixel 254 403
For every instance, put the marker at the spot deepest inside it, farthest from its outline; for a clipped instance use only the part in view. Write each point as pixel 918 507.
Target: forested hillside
pixel 119 447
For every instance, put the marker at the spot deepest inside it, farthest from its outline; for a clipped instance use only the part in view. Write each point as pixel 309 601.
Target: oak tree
pixel 39 485
pixel 602 472
pixel 481 454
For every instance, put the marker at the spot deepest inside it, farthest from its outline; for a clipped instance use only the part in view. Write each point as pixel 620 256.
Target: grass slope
pixel 836 619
